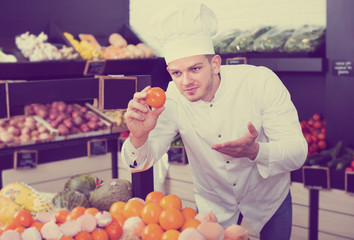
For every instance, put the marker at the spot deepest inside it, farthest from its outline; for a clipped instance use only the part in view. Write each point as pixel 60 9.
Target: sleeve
pixel 158 143
pixel 286 148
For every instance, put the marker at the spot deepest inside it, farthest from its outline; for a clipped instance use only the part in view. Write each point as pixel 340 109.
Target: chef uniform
pixel 222 184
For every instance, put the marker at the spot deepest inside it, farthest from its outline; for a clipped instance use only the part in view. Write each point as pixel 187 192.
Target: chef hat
pixel 185 31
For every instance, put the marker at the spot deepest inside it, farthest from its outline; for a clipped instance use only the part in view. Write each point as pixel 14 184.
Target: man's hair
pixel 209 57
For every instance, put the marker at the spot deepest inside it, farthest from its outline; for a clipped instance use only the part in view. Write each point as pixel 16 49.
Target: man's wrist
pixel 255 151
pixel 138 141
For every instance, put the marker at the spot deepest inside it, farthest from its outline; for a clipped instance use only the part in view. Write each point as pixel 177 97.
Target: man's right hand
pixel 140 119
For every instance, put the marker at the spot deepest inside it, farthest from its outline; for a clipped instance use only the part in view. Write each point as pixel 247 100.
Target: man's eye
pixel 176 74
pixel 196 69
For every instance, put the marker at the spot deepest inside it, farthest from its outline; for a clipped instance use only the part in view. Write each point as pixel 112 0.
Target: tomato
pixel 99 234
pixel 348 169
pixel 352 164
pixel 60 215
pixel 317 117
pixel 23 218
pixel 114 230
pixel 322 145
pixel 156 97
pixel 317 124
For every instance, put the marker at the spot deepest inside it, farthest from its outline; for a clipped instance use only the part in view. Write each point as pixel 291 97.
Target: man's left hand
pixel 246 146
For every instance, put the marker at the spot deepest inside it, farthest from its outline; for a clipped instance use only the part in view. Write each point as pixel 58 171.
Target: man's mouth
pixel 191 90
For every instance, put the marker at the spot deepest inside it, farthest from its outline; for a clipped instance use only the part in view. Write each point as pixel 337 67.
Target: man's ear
pixel 168 70
pixel 216 63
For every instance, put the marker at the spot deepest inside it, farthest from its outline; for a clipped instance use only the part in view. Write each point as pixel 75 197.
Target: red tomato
pixel 114 230
pixel 352 164
pixel 322 145
pixel 317 124
pixel 23 218
pixel 317 117
pixel 156 97
pixel 348 169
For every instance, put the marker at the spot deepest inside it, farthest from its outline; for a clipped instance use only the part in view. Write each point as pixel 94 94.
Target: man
pixel 239 127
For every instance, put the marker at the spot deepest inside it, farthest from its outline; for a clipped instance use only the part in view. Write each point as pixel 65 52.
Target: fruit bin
pixel 70 120
pixel 22 130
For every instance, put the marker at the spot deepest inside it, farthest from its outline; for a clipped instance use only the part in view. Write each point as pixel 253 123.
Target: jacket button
pixel 234 184
pixel 227 161
pixel 211 105
pixel 219 136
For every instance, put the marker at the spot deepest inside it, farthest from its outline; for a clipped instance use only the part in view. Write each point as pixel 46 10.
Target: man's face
pixel 196 77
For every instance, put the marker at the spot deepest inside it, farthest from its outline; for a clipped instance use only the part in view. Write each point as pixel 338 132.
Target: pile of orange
pixel 23 219
pixel 163 215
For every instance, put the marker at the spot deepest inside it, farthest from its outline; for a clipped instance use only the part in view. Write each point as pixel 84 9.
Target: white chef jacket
pixel 222 184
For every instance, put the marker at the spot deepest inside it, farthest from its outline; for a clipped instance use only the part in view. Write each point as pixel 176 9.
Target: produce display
pixel 36 48
pixel 270 39
pixel 117 116
pixel 7 57
pixel 338 157
pixel 314 131
pixel 20 130
pixel 305 39
pixel 68 119
pixel 158 216
pixel 89 48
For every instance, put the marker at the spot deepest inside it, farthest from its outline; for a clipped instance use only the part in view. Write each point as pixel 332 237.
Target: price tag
pixel 94 67
pixel 349 182
pixel 97 147
pixel 316 177
pixel 177 155
pixel 343 68
pixel 236 61
pixel 25 159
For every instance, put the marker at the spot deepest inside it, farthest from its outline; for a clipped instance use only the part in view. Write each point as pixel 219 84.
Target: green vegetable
pixel 320 159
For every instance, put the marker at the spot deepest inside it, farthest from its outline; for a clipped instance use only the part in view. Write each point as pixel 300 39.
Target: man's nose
pixel 187 79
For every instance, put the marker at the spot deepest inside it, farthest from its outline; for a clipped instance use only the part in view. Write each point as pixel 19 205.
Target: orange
pixel 170 235
pixel 60 215
pixel 152 231
pixel 151 213
pixel 91 211
pixel 171 218
pixel 75 213
pixel 83 236
pixel 23 218
pixel 171 201
pixel 117 208
pixel 156 97
pixel 9 226
pixel 99 234
pixel 79 210
pixel 20 229
pixel 66 238
pixel 154 197
pixel 120 218
pixel 189 212
pixel 133 209
pixel 114 230
pixel 37 225
pixel 190 223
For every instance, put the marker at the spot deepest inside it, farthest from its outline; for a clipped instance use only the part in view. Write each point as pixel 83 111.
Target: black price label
pixel 25 159
pixel 343 68
pixel 236 61
pixel 96 147
pixel 316 177
pixel 349 182
pixel 94 67
pixel 176 155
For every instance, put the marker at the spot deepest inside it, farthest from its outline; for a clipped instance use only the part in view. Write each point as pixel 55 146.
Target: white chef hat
pixel 185 31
